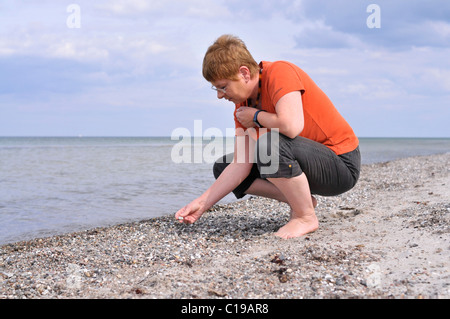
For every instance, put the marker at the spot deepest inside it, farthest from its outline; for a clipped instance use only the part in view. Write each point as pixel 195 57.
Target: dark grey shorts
pixel 328 174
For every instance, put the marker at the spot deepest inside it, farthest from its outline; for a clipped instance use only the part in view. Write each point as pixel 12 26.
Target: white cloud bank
pixel 138 63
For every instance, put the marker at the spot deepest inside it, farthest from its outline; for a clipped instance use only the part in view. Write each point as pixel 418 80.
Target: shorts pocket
pixel 285 169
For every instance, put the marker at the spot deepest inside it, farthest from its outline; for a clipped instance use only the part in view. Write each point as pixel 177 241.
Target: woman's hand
pixel 245 115
pixel 191 212
pixel 288 116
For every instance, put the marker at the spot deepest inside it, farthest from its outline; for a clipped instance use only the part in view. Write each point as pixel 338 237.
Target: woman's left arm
pixel 288 117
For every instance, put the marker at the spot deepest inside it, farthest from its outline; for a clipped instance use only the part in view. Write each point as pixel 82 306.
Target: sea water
pixel 55 185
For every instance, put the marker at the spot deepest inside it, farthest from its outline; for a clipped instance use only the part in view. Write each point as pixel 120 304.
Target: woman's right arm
pixel 230 178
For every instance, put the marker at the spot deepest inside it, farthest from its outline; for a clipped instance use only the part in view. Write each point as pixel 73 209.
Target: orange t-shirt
pixel 322 121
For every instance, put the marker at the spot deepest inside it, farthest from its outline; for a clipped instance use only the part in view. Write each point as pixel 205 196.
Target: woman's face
pixel 236 91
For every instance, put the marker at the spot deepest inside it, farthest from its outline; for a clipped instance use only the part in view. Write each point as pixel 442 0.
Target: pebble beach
pixel 388 238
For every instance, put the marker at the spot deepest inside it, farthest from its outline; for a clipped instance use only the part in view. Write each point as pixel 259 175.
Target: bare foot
pixel 297 193
pixel 298 226
pixel 314 202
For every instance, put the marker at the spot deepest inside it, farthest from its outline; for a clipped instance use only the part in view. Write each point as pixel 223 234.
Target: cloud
pixel 343 23
pixel 317 34
pixel 140 61
pixel 203 9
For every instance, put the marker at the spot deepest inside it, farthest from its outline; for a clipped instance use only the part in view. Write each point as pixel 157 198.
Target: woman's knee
pixel 220 165
pixel 275 158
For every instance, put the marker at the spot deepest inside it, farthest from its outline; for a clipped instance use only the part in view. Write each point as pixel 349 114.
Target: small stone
pixel 283 278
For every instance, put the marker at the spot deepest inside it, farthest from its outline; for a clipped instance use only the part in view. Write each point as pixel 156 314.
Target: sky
pixel 133 67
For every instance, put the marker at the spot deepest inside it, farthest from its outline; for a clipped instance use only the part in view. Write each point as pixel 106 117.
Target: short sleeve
pixel 282 79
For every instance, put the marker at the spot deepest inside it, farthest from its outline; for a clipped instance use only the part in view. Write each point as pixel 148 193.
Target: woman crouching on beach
pixel 279 111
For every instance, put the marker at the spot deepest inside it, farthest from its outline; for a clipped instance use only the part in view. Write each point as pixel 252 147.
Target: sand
pixel 389 237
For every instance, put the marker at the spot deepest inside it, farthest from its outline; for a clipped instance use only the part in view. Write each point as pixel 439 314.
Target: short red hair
pixel 224 58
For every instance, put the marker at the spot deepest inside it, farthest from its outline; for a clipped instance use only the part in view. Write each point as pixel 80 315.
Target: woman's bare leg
pixel 264 188
pixel 297 193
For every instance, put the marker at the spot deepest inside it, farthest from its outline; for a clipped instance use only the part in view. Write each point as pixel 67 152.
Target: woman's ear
pixel 245 72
